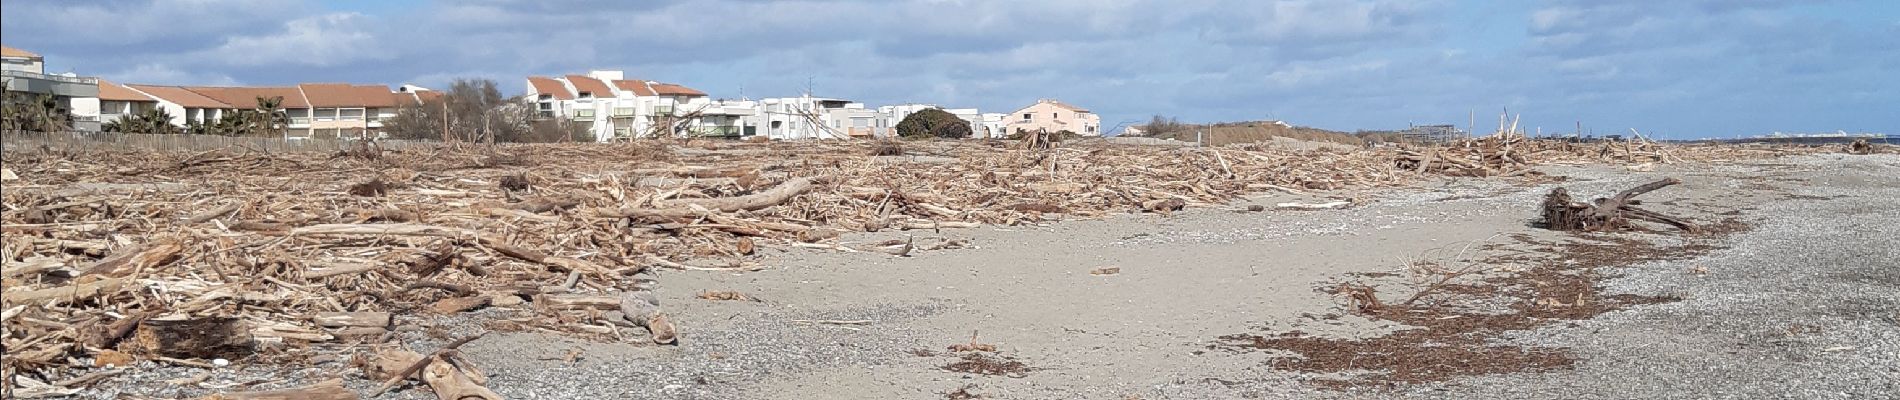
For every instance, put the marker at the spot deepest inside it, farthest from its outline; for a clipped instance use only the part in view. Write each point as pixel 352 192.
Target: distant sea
pixel 1889 139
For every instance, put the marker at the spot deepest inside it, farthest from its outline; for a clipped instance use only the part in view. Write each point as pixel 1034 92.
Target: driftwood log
pixel 456 381
pixel 756 201
pixel 643 308
pixel 327 390
pixel 212 337
pixel 1614 213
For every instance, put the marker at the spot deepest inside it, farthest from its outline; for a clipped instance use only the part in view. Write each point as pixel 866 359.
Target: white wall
pixel 85 106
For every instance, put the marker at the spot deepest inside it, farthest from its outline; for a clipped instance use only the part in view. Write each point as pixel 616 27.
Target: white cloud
pixel 158 74
pixel 322 41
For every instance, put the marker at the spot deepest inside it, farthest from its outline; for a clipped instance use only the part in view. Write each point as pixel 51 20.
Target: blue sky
pixel 1675 68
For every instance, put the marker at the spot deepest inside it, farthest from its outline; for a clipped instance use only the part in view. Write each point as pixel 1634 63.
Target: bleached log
pixel 643 308
pixel 327 390
pixel 330 269
pixel 451 383
pixel 127 261
pixel 576 302
pixel 1314 206
pixel 352 319
pixel 756 201
pixel 73 292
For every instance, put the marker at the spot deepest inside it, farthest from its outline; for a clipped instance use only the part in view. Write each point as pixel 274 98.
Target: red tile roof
pixel 638 87
pixel 404 99
pixel 115 92
pixel 668 89
pixel 182 97
pixel 549 86
pixel 428 95
pixel 13 52
pixel 583 83
pixel 346 95
pixel 246 97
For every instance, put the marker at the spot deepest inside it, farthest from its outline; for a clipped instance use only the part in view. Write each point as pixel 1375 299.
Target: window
pixel 350 114
pixel 623 130
pixel 1054 115
pixel 547 97
pixel 1026 116
pixel 623 111
pixel 326 114
pixel 110 107
pixel 547 106
pixel 1091 129
pixel 776 124
pixel 587 95
pixel 860 122
pixel 583 115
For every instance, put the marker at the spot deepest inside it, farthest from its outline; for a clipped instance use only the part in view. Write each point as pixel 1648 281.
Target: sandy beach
pixel 1801 304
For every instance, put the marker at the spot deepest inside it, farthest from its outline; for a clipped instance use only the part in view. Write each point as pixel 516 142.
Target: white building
pixel 24 72
pixel 808 117
pixel 616 108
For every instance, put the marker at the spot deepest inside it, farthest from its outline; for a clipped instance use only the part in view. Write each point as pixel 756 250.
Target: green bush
pixel 933 123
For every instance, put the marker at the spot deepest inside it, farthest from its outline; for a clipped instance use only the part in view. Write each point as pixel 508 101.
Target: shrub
pixel 933 123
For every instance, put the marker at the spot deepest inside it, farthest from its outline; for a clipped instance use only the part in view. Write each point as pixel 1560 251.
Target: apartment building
pixel 1055 116
pixel 808 117
pixel 24 75
pixel 186 107
pixel 117 101
pixel 315 110
pixel 614 107
pixel 341 110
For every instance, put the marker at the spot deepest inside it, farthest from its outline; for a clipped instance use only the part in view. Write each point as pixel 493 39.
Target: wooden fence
pixel 15 141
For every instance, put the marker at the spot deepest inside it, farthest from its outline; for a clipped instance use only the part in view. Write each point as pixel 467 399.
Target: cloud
pixel 1682 67
pixel 322 41
pixel 163 75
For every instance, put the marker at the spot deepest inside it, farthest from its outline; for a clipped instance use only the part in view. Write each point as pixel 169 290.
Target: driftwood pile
pixel 1607 214
pixel 250 256
pixel 1513 155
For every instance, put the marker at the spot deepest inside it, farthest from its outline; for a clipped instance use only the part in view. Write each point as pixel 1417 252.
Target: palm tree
pixel 234 123
pixel 155 121
pixel 270 116
pixel 42 114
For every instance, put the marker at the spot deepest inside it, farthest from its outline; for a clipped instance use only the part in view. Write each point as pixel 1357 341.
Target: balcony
pixel 57 85
pixel 81 80
pixel 662 110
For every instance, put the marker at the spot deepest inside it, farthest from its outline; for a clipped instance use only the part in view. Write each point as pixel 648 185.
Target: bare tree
pixel 1161 124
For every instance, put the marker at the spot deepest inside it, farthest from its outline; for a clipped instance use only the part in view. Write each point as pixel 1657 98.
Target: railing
pixel 84 80
pixel 22 141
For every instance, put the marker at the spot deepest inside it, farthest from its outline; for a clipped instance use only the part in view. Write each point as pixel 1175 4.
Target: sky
pixel 1668 68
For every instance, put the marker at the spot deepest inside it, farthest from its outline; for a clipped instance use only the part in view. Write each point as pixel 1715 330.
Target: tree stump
pixel 1614 213
pixel 194 338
